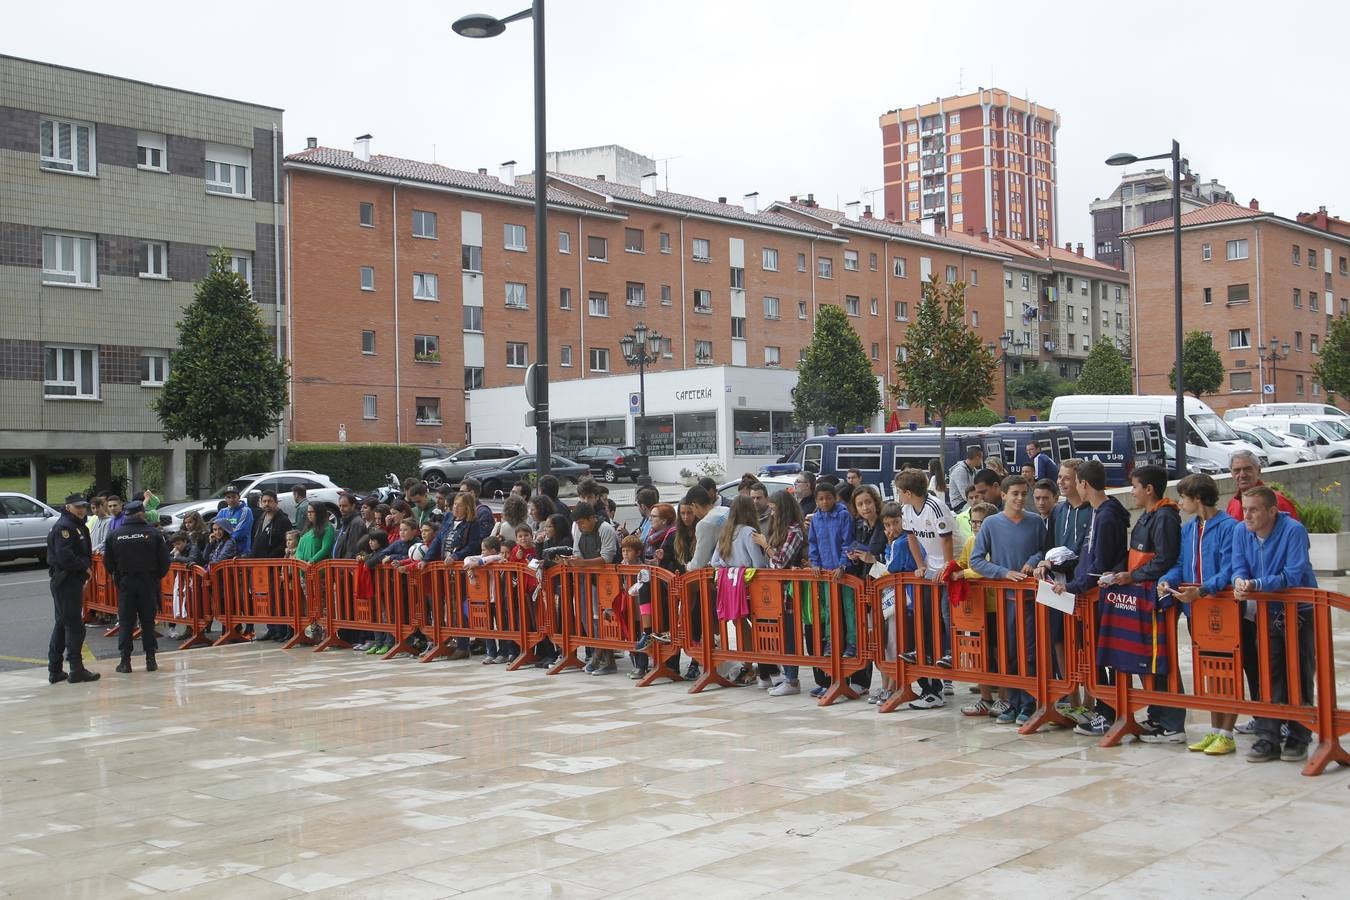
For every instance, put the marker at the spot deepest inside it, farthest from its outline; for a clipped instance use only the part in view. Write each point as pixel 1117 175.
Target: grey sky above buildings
pixel 775 96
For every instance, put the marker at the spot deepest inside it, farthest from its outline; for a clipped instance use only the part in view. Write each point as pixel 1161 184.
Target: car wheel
pixel 434 478
pixel 610 475
pixel 42 557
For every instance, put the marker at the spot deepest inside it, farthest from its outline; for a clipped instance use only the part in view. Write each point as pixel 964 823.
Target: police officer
pixel 69 556
pixel 137 559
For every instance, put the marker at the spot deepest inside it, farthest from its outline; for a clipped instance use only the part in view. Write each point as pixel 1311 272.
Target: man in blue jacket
pixel 240 517
pixel 1271 555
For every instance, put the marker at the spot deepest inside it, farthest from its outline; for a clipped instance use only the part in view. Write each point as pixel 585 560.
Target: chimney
pixel 751 202
pixel 984 235
pixel 363 148
pixel 1068 245
pixel 792 199
pixel 810 200
pixel 1078 250
pixel 722 200
pixel 867 211
pixel 311 143
pixel 928 225
pixel 506 173
pixel 482 170
pixel 600 177
pixel 649 184
pixel 851 210
pixel 1254 205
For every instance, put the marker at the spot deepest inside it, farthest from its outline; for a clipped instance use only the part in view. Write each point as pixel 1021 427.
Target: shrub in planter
pixel 357 466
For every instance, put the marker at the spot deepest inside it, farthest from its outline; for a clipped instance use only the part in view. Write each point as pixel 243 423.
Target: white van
pixel 1325 410
pixel 1326 437
pixel 1207 436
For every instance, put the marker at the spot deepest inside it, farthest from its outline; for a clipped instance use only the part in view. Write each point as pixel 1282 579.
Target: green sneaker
pixel 1222 745
pixel 1204 743
pixel 374 649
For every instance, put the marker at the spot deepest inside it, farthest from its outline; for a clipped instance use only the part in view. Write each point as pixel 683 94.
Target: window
pixel 702 301
pixel 1298 255
pixel 1085 315
pixel 67 146
pixel 473 318
pixel 473 377
pixel 975 320
pixel 1238 293
pixel 801 309
pixel 368 343
pixel 1312 301
pixel 1316 387
pixel 665 241
pixel 513 237
pixel 368 406
pixel 428 410
pixel 1298 341
pixel 773 356
pixel 426 286
pixel 1071 340
pixel 598 304
pixel 1312 258
pixel 1209 296
pixel 1298 385
pixel 801 262
pixel 1312 343
pixel 150 152
pixel 1117 293
pixel 564 242
pixel 975 277
pixel 565 298
pixel 424 224
pixel 702 250
pixel 599 359
pixel 851 260
pixel 1239 338
pixel 851 305
pixel 597 249
pixel 152 259
pixel 737 278
pixel 872 261
pixel 825 267
pixel 69 259
pixel 667 347
pixel 426 348
pixel 900 267
pixel 634 240
pixel 154 369
pixel 771 307
pixel 738 327
pixel 1298 299
pixel 952 275
pixel 703 353
pixel 565 356
pixel 769 259
pixel 873 306
pixel 70 372
pixel 1069 312
pixel 876 350
pixel 366 216
pixel 1237 249
pixel 228 170
pixel 636 293
pixel 515 296
pixel 902 310
pixel 1068 285
pixel 1026 282
pixel 1344 270
pixel 471 258
pixel 665 295
pixel 367 278
pixel 517 354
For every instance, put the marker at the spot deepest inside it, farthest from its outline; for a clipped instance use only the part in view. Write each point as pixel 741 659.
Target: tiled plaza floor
pixel 246 772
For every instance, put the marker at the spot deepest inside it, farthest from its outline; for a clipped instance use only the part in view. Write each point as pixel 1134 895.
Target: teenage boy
pixel 1067 527
pixel 1003 550
pixel 1105 550
pixel 989 488
pixel 1044 496
pixel 962 476
pixel 596 544
pixel 928 523
pixel 828 538
pixel 1206 565
pixel 1270 554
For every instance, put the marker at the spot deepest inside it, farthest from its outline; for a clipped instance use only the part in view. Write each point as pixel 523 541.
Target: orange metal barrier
pixel 259 592
pixel 100 595
pixel 185 599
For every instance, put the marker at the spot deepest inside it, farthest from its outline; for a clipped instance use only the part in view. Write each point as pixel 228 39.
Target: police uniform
pixel 69 556
pixel 137 559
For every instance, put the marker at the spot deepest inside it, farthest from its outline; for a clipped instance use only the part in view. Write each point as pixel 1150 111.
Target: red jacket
pixel 1281 502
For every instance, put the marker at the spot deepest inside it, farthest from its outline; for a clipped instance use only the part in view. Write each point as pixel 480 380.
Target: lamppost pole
pixel 634 346
pixel 1273 356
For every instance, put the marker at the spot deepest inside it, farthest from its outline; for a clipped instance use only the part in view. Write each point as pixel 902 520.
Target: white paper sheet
pixel 1045 594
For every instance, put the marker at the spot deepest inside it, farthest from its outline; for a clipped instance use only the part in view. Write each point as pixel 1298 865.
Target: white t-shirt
pixel 930 524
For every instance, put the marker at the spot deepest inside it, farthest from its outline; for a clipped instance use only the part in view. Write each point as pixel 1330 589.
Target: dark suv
pixel 610 463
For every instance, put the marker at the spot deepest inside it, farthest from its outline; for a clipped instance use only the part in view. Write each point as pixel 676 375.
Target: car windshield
pixel 1213 428
pixel 238 484
pixel 1271 438
pixel 1336 428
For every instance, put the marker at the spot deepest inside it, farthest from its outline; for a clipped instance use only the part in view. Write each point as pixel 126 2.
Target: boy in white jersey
pixel 928 523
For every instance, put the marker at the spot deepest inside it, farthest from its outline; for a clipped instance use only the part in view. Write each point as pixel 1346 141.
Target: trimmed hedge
pixel 356 466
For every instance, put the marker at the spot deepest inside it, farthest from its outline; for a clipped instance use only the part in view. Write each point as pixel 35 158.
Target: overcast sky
pixel 779 97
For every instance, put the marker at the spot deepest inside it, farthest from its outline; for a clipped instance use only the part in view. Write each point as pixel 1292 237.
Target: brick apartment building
pixel 413 283
pixel 1142 198
pixel 1251 279
pixel 980 162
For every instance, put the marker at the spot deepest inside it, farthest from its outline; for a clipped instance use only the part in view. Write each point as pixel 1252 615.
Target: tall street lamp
pixel 1007 341
pixel 1273 354
pixel 480 25
pixel 640 348
pixel 1127 159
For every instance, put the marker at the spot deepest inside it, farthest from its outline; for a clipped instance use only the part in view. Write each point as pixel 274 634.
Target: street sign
pixel 634 403
pixel 529 384
pixel 1267 388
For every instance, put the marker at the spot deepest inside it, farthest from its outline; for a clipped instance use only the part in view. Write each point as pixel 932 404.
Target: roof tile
pixel 1206 215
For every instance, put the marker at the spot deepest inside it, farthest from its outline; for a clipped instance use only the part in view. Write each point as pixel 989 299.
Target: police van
pixel 879 457
pixel 1009 442
pixel 1121 447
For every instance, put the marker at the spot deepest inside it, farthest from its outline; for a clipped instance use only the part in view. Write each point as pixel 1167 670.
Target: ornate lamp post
pixel 641 347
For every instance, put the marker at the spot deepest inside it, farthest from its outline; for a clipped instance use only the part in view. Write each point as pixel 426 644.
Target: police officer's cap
pixel 76 500
pixel 135 506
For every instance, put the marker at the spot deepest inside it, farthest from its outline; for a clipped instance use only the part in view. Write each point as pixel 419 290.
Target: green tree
pixel 225 382
pixel 835 384
pixel 1105 371
pixel 944 367
pixel 1333 367
pixel 1201 363
pixel 1036 387
pixel 973 418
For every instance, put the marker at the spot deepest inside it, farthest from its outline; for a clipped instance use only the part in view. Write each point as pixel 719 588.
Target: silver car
pixel 320 488
pixel 465 460
pixel 24 524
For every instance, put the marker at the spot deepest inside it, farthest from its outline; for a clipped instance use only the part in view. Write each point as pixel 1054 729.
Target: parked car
pixel 501 477
pixel 432 451
pixel 1193 464
pixel 24 524
pixel 610 463
pixel 450 469
pixel 320 488
pixel 1286 409
pixel 1281 451
pixel 774 483
pixel 1326 437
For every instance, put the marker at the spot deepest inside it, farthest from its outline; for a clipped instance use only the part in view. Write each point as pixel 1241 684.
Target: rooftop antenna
pixel 433 154
pixel 666 160
pixel 961 80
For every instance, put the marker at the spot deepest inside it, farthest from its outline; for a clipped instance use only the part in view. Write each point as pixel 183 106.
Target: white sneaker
pixel 764 683
pixel 998 707
pixel 784 688
pixel 928 701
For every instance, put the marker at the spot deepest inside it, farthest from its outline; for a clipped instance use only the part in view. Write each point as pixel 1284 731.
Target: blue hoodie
pixel 1278 562
pixel 1216 555
pixel 829 536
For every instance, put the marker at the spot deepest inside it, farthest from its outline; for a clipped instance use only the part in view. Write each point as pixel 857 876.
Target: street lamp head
pixel 1284 351
pixel 1005 339
pixel 654 339
pixel 1122 159
pixel 478 25
pixel 626 345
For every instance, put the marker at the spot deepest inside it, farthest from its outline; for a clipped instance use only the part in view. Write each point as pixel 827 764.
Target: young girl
pixel 221 546
pixel 662 518
pixel 464 540
pixel 869 544
pixel 736 549
pixel 557 532
pixel 377 542
pixel 898 558
pixel 292 542
pixel 785 544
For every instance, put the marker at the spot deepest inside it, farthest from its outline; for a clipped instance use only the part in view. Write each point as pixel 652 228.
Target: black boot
pixel 83 675
pixel 56 677
pixel 150 664
pixel 124 666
